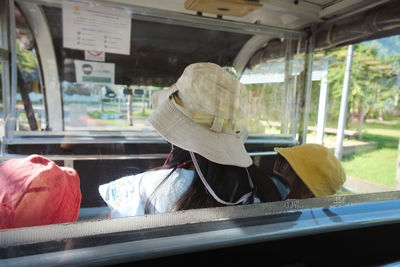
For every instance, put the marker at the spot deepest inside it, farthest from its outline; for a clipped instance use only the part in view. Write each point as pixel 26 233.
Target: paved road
pixel 362 186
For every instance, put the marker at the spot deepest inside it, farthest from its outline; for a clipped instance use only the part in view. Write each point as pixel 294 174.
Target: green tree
pixel 27 74
pixel 373 80
pixel 26 60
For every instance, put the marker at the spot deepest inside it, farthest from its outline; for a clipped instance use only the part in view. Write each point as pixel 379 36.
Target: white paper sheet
pixel 89 26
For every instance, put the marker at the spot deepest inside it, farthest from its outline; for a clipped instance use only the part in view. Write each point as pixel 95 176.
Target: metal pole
pixel 149 102
pixel 286 93
pixel 101 106
pixel 5 55
pixel 294 102
pixel 5 65
pixel 143 103
pixel 130 120
pixel 360 129
pixel 343 104
pixel 323 101
pixel 398 168
pixel 10 121
pixel 307 84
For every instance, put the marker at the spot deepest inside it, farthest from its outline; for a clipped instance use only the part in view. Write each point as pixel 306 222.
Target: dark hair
pixel 228 182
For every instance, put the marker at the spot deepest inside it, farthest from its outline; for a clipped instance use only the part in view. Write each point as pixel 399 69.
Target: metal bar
pixel 5 64
pixel 398 168
pixel 286 93
pixel 322 107
pixel 11 117
pixel 52 92
pixel 68 159
pixel 71 158
pixel 71 140
pixel 360 128
pixel 266 153
pixel 350 208
pixel 155 139
pixel 4 54
pixel 4 30
pixel 295 107
pixel 343 104
pixel 308 84
pixel 6 101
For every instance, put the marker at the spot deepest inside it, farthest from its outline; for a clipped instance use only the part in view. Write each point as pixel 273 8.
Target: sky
pixel 386 46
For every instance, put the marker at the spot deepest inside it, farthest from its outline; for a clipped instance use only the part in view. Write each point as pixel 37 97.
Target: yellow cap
pixel 319 169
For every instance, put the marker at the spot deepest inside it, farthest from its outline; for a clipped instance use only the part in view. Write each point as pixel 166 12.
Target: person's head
pixel 200 115
pixel 35 191
pixel 309 170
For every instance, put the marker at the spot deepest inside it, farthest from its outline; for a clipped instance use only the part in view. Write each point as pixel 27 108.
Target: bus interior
pixel 80 97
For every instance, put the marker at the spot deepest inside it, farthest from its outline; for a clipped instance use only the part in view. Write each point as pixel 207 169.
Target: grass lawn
pixel 378 166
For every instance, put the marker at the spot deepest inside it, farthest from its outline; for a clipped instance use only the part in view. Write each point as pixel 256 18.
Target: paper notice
pixel 94 72
pixel 90 26
pixel 95 55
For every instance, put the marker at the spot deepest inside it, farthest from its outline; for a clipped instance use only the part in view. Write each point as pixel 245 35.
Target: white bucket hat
pixel 201 113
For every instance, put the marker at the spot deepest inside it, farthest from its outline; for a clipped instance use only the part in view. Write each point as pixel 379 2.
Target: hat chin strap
pixel 243 199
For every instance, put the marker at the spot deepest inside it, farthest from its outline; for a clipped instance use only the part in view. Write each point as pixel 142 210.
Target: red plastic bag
pixel 35 191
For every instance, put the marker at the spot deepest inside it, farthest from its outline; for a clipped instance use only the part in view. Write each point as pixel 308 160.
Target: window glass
pixel 2 31
pixel 158 54
pixel 118 103
pixel 372 128
pixel 120 100
pixel 30 112
pixel 106 107
pixel 273 88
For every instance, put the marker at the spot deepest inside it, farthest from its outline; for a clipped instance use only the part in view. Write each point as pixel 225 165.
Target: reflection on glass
pixel 30 112
pixel 372 131
pixel 107 106
pixel 159 52
pixel 273 96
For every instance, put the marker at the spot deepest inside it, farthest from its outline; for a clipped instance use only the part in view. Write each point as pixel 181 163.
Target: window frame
pixel 51 82
pixel 147 237
pixel 311 215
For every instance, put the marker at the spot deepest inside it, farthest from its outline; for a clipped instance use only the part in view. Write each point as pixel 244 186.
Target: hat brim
pixel 158 97
pixel 319 179
pixel 178 129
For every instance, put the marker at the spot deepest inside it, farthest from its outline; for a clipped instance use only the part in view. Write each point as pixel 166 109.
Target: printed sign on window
pixel 91 26
pixel 94 72
pixel 95 55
